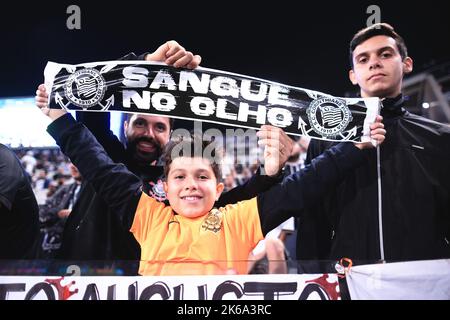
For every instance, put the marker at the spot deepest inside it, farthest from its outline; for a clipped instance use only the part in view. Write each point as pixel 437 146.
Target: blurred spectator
pixel 53 215
pixel 297 159
pixel 229 180
pixel 18 208
pixel 40 184
pixel 58 181
pixel 29 162
pixel 270 255
pixel 246 175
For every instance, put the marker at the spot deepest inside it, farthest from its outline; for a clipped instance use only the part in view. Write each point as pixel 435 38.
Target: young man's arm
pixel 304 189
pixel 257 184
pixel 317 223
pixel 113 182
pixel 263 181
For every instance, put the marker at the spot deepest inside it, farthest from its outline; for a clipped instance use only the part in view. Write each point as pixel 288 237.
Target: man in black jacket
pixel 402 211
pixel 91 236
pixel 19 212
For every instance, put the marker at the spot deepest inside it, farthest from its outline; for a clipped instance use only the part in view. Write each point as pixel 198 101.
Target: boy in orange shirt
pixel 190 236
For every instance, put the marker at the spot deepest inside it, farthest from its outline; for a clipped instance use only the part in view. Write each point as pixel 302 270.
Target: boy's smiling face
pixel 191 186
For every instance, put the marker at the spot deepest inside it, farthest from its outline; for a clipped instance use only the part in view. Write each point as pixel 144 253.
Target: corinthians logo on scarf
pixel 208 95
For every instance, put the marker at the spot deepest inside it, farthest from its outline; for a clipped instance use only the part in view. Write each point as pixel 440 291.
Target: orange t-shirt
pixel 216 243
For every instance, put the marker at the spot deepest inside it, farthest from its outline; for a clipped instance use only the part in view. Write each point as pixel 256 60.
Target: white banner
pixel 249 287
pixel 417 280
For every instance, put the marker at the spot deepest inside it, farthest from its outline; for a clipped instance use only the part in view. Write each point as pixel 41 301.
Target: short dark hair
pixel 129 115
pixel 192 146
pixel 378 29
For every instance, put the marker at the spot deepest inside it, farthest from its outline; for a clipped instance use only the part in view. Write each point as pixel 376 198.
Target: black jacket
pixel 415 180
pixel 19 212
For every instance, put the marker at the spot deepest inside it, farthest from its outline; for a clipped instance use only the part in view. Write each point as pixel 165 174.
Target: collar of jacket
pixel 393 107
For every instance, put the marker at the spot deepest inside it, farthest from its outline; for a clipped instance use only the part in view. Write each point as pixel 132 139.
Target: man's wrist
pixel 278 175
pixel 54 114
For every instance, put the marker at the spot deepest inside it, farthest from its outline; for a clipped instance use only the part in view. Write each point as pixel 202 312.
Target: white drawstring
pixel 380 203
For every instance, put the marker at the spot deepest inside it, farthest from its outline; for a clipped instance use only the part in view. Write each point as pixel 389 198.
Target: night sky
pixel 298 43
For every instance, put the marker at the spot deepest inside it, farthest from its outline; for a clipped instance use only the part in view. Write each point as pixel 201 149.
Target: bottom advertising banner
pixel 249 287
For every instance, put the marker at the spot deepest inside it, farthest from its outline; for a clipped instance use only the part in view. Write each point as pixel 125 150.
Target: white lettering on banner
pixel 135 77
pixel 161 101
pixel 224 87
pixel 221 110
pixel 279 96
pixel 197 85
pixel 205 107
pixel 163 78
pixel 245 112
pixel 220 85
pixel 202 106
pixel 248 94
pixel 280 117
pixel 140 102
pixel 243 287
pixel 159 97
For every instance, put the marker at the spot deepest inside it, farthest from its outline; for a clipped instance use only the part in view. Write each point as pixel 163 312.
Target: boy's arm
pixel 305 188
pixel 99 125
pixel 113 182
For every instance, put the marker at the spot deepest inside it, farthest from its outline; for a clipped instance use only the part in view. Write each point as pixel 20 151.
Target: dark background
pixel 299 43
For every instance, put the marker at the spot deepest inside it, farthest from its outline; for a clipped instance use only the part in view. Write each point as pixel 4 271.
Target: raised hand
pixel 172 53
pixel 377 134
pixel 277 148
pixel 41 99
